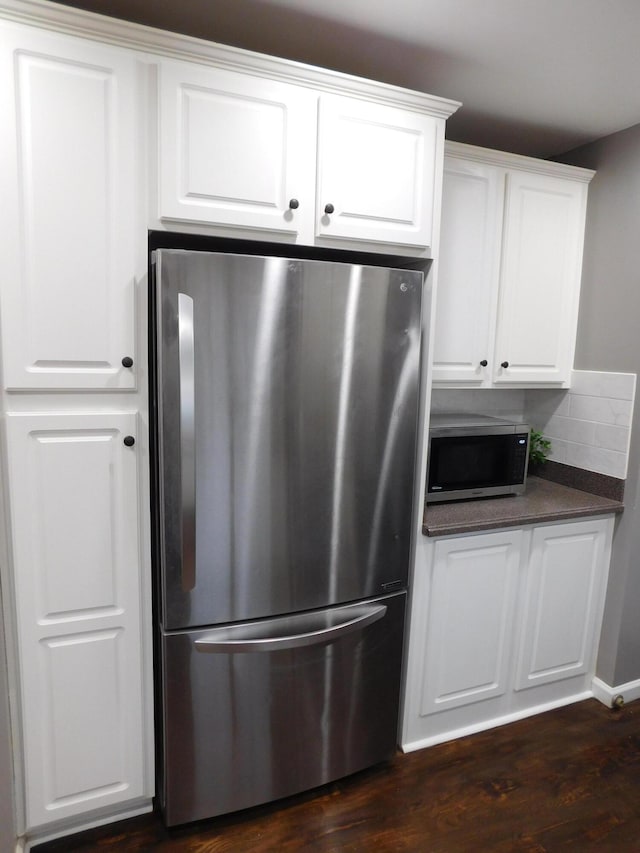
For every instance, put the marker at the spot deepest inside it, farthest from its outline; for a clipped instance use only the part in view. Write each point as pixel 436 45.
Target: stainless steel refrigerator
pixel 286 407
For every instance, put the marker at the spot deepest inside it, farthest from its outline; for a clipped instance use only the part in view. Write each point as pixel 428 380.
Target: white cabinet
pixel 469 617
pixel 235 149
pixel 295 163
pixel 77 556
pixel 468 266
pixel 562 603
pixel 510 266
pixel 377 171
pixel 247 147
pixel 74 523
pixel 66 162
pixel 504 624
pixel 542 238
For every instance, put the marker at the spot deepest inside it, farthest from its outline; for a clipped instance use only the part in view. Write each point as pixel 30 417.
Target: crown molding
pixel 516 161
pixel 160 43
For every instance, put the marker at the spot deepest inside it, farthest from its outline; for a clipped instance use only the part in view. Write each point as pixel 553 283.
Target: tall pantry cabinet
pixel 74 267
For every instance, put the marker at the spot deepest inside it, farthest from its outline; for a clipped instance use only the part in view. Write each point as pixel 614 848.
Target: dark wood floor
pixel 564 780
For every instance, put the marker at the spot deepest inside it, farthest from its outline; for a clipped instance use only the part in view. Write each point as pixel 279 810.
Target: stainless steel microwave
pixel 475 456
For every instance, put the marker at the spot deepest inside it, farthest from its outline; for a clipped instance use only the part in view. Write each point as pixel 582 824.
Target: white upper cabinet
pixel 466 303
pixel 510 266
pixel 540 279
pixel 67 163
pixel 376 172
pixel 235 149
pixel 294 163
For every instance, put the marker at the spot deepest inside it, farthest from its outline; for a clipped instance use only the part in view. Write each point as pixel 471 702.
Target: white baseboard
pixel 493 723
pixel 628 692
pixel 25 844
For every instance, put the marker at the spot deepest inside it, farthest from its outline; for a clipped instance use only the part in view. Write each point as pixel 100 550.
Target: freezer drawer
pixel 316 700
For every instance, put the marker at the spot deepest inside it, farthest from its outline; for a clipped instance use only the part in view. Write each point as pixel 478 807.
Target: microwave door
pixel 470 466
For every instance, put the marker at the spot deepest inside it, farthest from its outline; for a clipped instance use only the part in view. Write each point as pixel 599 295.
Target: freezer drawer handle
pixel 312 629
pixel 187 443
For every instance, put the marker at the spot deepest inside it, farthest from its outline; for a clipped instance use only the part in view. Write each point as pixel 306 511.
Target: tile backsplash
pixel 589 425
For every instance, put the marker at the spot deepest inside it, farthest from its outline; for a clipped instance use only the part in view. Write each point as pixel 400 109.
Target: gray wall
pixel 609 339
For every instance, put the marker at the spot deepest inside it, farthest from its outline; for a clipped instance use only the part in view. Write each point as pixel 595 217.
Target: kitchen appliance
pixel 286 406
pixel 475 456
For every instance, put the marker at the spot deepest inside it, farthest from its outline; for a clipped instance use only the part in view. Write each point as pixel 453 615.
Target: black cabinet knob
pixel 484 362
pixel 505 364
pixel 129 440
pixel 329 208
pixel 127 361
pixel 294 204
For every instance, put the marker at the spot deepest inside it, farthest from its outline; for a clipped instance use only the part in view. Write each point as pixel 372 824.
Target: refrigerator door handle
pixel 186 355
pixel 291 632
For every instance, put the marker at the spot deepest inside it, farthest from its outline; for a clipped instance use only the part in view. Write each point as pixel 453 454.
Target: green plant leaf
pixel 539 448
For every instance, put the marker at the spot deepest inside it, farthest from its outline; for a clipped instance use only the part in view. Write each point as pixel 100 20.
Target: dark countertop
pixel 544 500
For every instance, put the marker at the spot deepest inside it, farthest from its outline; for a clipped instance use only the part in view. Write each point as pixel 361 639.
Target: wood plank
pixel 569 778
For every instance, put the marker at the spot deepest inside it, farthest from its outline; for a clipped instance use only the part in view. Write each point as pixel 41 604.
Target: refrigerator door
pixel 247 727
pixel 287 399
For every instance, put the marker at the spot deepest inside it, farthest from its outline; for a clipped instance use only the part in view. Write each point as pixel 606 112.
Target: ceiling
pixel 536 77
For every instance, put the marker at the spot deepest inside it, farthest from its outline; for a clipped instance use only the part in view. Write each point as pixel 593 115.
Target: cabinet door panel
pixel 83 715
pixel 75 567
pixel 235 149
pixel 540 278
pixel 68 303
pixel 377 167
pixel 74 518
pixel 563 602
pixel 469 255
pixel 470 613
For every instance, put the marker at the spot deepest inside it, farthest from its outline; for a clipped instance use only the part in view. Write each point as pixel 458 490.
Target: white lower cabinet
pixel 503 624
pixel 562 603
pixel 470 610
pixel 74 526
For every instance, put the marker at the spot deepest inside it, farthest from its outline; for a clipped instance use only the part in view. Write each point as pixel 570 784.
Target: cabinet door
pixel 377 171
pixel 562 607
pixel 236 150
pixel 468 260
pixel 469 620
pixel 67 162
pixel 74 526
pixel 540 279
